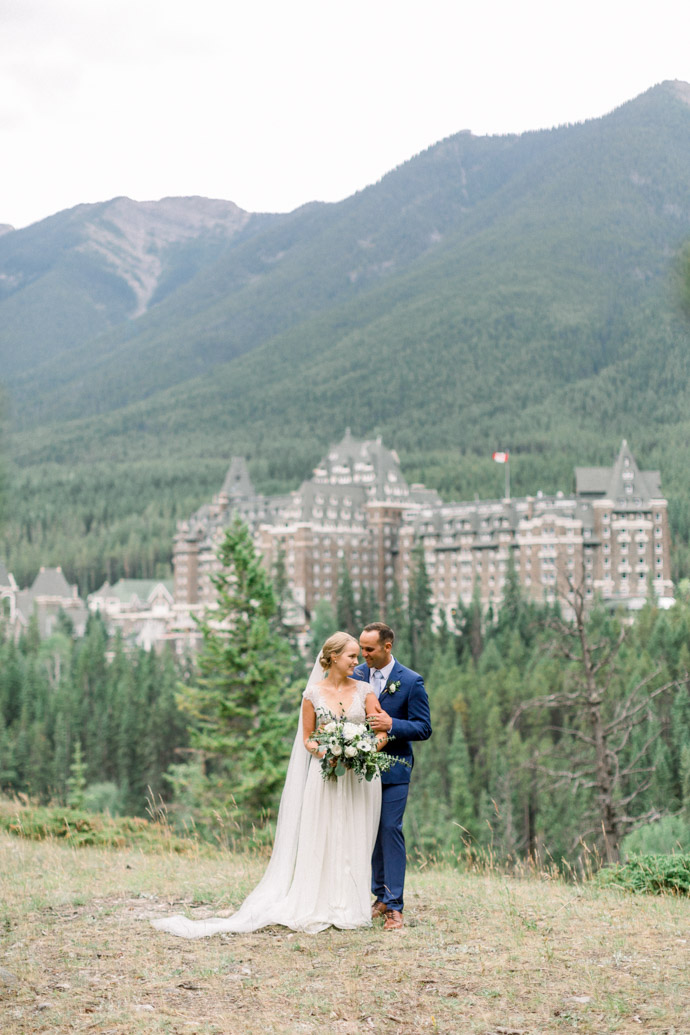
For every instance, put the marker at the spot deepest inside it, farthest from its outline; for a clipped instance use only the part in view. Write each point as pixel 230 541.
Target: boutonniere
pixel 390 688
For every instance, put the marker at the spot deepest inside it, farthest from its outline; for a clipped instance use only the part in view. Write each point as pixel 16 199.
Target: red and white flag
pixel 500 458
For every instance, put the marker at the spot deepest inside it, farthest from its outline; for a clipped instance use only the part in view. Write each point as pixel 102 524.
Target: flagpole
pixel 502 457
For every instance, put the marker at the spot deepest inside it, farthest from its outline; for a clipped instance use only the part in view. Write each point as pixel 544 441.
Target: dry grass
pixel 480 953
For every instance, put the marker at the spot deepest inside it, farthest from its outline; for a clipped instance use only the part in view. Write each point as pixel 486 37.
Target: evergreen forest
pixel 522 702
pixel 525 293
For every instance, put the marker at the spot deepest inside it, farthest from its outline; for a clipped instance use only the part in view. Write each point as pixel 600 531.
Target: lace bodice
pixel 356 711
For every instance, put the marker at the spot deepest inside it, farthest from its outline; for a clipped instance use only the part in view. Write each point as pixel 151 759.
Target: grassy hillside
pixel 508 292
pixel 480 953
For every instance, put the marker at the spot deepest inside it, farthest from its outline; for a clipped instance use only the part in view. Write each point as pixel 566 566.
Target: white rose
pixel 350 751
pixel 335 748
pixel 352 730
pixel 330 727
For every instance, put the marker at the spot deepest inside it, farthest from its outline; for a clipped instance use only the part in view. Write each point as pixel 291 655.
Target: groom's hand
pixel 381 722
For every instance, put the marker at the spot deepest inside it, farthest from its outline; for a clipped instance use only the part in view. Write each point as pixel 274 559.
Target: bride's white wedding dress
pixel 320 869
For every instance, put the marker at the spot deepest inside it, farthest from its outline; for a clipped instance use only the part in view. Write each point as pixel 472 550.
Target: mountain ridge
pixel 505 292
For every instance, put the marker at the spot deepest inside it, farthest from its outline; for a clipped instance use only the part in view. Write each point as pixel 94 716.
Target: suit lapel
pixel 397 673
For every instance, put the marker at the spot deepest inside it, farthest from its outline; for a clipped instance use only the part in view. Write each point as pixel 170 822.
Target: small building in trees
pixel 49 595
pixel 141 609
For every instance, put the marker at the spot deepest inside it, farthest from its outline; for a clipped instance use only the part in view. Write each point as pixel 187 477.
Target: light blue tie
pixel 378 681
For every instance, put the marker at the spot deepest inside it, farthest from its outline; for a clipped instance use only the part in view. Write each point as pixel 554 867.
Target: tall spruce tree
pixel 240 709
pixel 398 619
pixel 347 612
pixel 419 611
pixel 323 624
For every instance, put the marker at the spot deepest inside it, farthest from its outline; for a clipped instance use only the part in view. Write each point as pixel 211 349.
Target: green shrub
pixel 103 797
pixel 650 875
pixel 77 828
pixel 666 836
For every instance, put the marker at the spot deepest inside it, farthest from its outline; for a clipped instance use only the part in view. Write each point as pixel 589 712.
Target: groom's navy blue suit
pixel 408 707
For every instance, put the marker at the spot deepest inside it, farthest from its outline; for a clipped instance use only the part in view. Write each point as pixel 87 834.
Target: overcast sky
pixel 272 103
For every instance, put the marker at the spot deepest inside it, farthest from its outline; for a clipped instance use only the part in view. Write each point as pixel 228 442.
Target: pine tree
pixel 398 619
pixel 347 613
pixel 419 611
pixel 167 732
pixel 240 710
pixel 459 775
pixel 468 622
pixel 76 785
pixel 685 781
pixel 8 773
pixel 323 624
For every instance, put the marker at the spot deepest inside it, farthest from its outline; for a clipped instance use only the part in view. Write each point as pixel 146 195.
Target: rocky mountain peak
pixel 681 90
pixel 132 236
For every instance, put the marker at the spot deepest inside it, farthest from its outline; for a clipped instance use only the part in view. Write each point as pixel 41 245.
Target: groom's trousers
pixel 388 860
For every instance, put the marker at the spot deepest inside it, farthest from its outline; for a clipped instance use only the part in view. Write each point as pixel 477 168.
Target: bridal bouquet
pixel 349 745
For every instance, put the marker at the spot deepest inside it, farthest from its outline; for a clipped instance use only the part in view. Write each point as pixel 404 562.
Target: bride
pixel 319 873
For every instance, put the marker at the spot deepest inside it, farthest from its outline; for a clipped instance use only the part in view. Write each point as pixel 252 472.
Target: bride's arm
pixel 308 727
pixel 372 707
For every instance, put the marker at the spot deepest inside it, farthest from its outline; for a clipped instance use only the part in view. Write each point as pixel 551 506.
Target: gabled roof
pixel 592 481
pixel 628 480
pixel 361 461
pixel 237 481
pixel 345 498
pixel 623 483
pixel 50 582
pixel 126 590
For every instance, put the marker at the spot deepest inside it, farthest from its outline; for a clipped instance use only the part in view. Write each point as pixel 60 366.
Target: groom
pixel 405 718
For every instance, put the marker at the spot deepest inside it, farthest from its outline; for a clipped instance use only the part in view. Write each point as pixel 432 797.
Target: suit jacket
pixel 408 706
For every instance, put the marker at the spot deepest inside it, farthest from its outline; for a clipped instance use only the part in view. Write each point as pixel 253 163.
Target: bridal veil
pixel 263 906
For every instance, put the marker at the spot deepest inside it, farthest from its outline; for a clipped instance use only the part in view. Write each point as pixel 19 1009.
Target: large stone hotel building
pixel 610 536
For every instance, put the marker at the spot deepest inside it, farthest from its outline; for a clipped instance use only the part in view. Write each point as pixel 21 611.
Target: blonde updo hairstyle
pixel 333 647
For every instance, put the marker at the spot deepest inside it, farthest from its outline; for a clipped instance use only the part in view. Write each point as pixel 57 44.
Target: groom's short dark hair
pixel 386 634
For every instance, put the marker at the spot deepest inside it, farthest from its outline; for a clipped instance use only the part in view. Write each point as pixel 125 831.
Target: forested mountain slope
pixel 512 292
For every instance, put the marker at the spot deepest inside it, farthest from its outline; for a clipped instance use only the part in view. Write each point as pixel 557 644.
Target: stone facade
pixel 358 511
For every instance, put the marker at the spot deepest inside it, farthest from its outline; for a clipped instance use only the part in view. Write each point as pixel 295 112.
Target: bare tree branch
pixel 629 711
pixel 570 732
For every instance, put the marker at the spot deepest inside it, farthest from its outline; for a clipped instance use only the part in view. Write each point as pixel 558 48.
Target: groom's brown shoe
pixel 378 909
pixel 394 920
